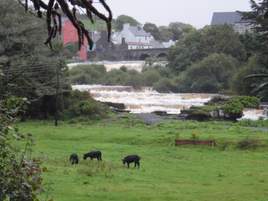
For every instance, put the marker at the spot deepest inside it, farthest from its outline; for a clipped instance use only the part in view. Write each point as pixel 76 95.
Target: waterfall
pixel 146 100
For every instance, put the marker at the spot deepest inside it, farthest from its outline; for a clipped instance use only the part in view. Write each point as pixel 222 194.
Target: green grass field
pixel 223 173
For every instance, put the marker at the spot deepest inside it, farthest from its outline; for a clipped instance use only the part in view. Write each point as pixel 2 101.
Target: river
pixel 147 100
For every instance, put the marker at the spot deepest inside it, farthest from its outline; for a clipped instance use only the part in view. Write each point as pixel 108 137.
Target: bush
pixel 233 109
pixel 164 85
pixel 218 100
pixel 247 143
pixel 87 74
pixel 94 168
pixel 197 113
pixel 151 76
pixel 81 104
pixel 247 101
pixel 210 75
pixel 20 175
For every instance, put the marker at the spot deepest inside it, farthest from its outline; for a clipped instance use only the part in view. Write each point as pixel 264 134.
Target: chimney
pixel 123 41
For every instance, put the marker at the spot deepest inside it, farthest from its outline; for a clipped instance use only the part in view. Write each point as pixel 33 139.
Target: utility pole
pixel 57 94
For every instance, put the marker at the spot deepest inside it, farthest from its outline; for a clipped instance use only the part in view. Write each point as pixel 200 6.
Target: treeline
pixel 216 59
pixel 157 77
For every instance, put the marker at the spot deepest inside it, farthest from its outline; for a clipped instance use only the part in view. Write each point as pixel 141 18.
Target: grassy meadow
pixel 167 173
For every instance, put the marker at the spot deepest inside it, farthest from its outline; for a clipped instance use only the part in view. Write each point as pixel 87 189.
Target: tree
pixel 165 34
pixel 20 175
pixel 124 19
pixel 258 17
pixel 54 8
pixel 244 86
pixel 178 29
pixel 199 44
pixel 251 43
pixel 213 74
pixel 28 67
pixel 153 29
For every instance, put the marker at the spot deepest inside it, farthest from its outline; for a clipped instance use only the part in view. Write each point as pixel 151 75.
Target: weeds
pixel 247 144
pixel 94 168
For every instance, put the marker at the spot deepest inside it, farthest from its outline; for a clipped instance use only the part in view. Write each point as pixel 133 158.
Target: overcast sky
pixel 161 12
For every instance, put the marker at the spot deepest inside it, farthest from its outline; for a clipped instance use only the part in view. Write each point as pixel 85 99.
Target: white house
pixel 134 36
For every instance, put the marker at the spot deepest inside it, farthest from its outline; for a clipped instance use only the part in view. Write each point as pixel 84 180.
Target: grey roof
pixel 138 31
pixel 220 18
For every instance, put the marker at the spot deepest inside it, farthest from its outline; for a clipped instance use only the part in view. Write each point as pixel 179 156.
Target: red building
pixel 69 35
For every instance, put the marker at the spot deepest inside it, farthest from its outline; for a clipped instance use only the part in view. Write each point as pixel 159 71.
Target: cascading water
pixel 147 100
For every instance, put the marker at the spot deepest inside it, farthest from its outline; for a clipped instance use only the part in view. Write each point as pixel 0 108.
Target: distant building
pixel 136 38
pixel 233 19
pixel 70 37
pixel 131 38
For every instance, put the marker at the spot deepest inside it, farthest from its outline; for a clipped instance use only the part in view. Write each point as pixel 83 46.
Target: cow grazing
pixel 132 159
pixel 74 159
pixel 92 155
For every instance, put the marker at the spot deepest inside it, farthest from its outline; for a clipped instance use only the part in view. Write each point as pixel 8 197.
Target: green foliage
pixel 12 102
pixel 210 75
pixel 152 29
pixel 247 144
pixel 151 76
pixel 197 45
pixel 242 86
pixel 179 29
pixel 20 175
pixel 124 19
pixel 165 33
pixel 98 25
pixel 250 123
pixel 81 104
pixel 93 168
pixel 27 66
pixel 247 101
pixel 258 18
pixel 251 43
pixel 93 74
pixel 174 31
pixel 97 74
pixel 198 113
pixel 164 85
pixel 233 109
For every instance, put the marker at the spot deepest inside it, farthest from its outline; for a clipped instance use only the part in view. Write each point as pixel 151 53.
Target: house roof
pixel 220 18
pixel 138 31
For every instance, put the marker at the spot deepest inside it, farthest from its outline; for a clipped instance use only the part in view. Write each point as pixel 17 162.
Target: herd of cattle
pixel 74 158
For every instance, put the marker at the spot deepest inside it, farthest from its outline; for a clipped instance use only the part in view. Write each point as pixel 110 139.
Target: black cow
pixel 74 159
pixel 132 159
pixel 92 155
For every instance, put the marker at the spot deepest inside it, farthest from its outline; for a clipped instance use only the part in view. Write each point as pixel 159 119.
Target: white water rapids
pixel 147 100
